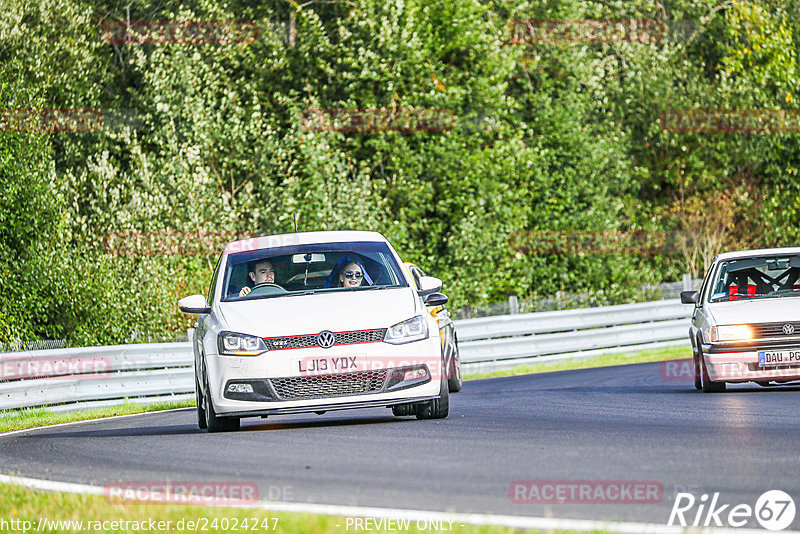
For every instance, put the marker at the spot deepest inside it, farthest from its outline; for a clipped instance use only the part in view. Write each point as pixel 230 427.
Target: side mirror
pixel 436 299
pixel 194 304
pixel 428 285
pixel 690 297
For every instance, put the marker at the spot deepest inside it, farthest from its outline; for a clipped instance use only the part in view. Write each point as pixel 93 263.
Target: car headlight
pixel 233 344
pixel 732 332
pixel 413 329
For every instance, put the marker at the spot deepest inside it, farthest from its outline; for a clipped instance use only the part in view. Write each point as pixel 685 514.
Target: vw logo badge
pixel 325 339
pixel 788 329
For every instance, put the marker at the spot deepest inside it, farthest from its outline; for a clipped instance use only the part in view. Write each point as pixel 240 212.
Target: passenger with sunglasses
pixel 348 272
pixel 351 275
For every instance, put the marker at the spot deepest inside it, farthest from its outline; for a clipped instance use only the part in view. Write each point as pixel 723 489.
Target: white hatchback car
pixel 316 321
pixel 746 322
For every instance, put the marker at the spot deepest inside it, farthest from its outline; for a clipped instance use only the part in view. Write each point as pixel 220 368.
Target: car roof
pixel 302 238
pixel 758 252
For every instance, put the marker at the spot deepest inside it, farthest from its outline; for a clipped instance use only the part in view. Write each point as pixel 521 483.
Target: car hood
pixel 770 310
pixel 309 314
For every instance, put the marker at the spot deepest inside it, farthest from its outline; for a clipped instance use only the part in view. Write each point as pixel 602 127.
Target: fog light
pixel 407 377
pixel 414 374
pixel 240 388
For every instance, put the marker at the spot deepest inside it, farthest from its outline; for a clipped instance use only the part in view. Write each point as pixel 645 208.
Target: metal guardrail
pixel 565 320
pixel 103 376
pixel 508 340
pixel 47 377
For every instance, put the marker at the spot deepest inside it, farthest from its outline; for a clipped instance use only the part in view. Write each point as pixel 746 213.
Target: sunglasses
pixel 351 274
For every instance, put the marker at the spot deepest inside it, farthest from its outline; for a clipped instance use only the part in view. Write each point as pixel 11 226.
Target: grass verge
pixel 604 360
pixel 25 510
pixel 34 417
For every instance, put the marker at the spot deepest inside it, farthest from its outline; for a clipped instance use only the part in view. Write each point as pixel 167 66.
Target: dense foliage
pixel 209 139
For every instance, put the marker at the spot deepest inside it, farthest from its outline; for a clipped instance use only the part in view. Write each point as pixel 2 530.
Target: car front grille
pixel 314 387
pixel 765 330
pixel 292 342
pixel 310 340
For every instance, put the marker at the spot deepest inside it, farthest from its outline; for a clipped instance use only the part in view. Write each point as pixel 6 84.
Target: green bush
pixel 546 137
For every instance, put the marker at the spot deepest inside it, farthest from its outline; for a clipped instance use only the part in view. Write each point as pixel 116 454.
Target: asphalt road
pixel 611 424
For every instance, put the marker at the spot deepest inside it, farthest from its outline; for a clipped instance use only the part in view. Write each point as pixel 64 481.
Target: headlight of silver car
pixel 413 329
pixel 732 332
pixel 233 344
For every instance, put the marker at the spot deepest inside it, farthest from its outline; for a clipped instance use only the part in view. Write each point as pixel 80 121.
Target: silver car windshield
pixel 756 278
pixel 310 269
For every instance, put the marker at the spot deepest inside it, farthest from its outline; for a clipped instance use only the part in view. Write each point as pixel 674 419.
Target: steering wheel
pixel 267 284
pixel 265 288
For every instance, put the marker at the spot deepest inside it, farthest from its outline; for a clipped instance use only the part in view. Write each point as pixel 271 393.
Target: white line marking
pixel 512 521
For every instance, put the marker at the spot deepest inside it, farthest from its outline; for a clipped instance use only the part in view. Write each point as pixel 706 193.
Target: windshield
pixel 309 269
pixel 756 278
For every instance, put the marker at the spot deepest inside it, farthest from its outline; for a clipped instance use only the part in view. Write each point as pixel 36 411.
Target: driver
pixel 261 272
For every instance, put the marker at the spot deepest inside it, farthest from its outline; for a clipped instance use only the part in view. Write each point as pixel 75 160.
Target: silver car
pixel 315 322
pixel 746 322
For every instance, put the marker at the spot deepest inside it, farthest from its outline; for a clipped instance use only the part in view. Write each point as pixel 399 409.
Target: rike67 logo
pixel 774 510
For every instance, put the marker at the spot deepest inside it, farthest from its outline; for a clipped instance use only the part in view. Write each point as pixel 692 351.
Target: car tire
pixel 698 369
pixel 698 373
pixel 436 408
pixel 400 410
pixel 215 423
pixel 708 385
pixel 201 413
pixel 454 380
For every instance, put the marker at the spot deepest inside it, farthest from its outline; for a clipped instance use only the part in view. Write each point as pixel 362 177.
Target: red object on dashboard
pixel 733 291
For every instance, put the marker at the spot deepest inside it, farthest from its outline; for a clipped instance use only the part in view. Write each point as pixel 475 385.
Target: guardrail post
pixel 513 305
pixel 687 282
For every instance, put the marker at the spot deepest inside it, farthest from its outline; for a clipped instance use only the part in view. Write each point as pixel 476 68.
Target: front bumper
pixel 328 407
pixel 316 379
pixel 731 363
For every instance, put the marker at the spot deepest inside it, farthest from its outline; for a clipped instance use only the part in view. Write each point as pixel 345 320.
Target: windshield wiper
pixel 743 298
pixel 365 288
pixel 785 293
pixel 300 293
